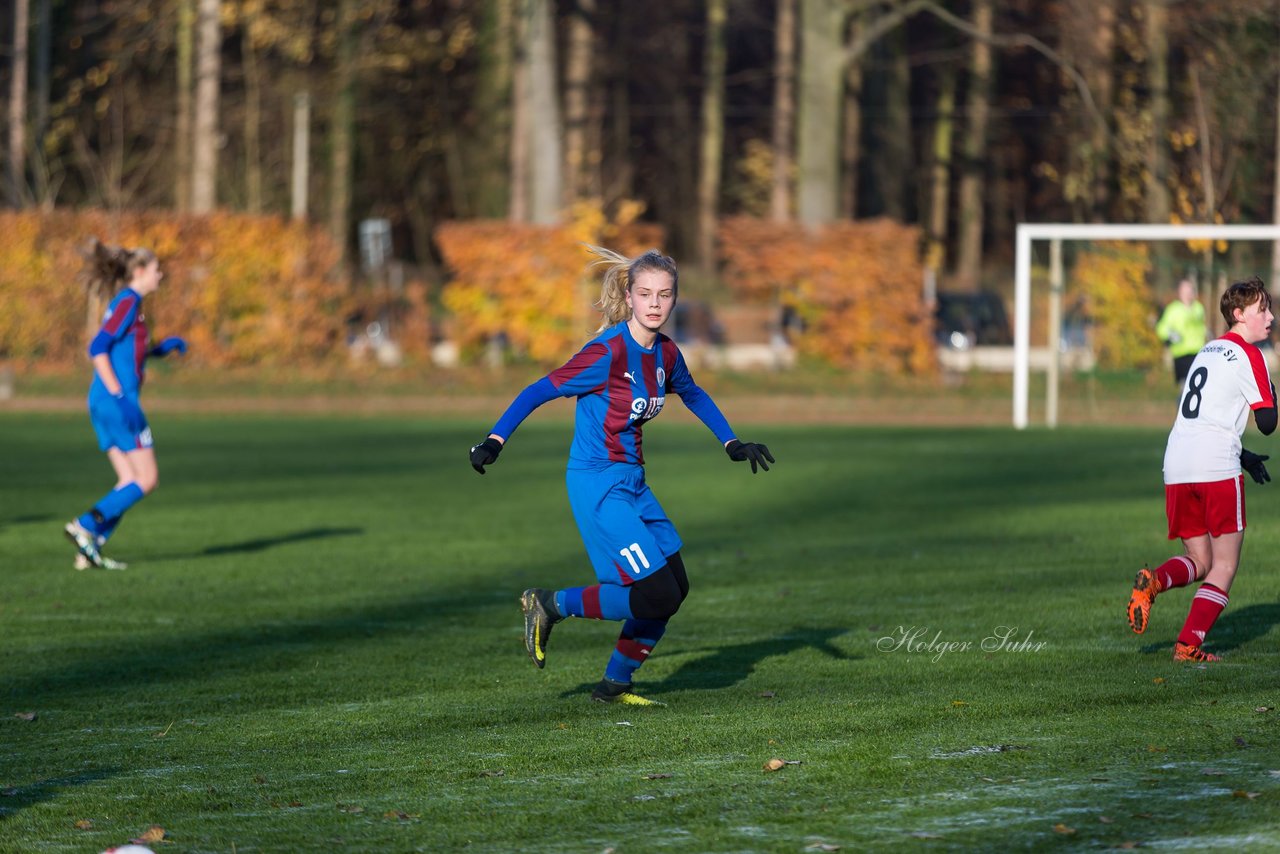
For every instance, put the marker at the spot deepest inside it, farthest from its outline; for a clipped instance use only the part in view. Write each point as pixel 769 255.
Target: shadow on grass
pixel 726 666
pixel 1232 631
pixel 18 798
pixel 29 519
pixel 265 543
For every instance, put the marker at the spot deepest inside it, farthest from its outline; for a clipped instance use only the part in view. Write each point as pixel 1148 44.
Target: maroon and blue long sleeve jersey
pixel 620 386
pixel 124 337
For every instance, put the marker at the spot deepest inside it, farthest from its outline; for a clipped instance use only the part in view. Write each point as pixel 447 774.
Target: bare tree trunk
pixel 490 161
pixel 185 41
pixel 939 194
pixel 712 153
pixel 342 134
pixel 1157 190
pixel 18 106
pixel 547 190
pixel 205 149
pixel 40 110
pixel 784 110
pixel 977 109
pixel 1101 80
pixel 851 144
pixel 252 126
pixel 895 149
pixel 518 211
pixel 821 73
pixel 577 83
pixel 301 173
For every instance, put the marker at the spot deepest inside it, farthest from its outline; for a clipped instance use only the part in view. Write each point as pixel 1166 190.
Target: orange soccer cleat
pixel 1187 652
pixel 1145 588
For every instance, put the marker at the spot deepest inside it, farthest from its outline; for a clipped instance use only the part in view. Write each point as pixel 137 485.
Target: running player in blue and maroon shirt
pixel 621 379
pixel 119 352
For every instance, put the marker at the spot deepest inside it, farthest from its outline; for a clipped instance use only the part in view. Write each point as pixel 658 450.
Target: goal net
pixel 1033 236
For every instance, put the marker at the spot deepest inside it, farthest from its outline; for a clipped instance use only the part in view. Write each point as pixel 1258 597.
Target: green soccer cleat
pixel 85 542
pixel 538 620
pixel 609 691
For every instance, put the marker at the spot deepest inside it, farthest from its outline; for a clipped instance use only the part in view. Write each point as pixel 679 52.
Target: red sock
pixel 1175 572
pixel 1205 608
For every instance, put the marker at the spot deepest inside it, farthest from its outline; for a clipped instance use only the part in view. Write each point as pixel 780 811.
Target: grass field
pixel 317 647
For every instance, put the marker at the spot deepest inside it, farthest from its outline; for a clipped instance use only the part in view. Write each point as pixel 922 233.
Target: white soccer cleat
pixel 84 541
pixel 83 562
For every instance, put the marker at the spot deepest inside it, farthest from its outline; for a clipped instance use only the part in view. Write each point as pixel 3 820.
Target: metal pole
pixel 1055 332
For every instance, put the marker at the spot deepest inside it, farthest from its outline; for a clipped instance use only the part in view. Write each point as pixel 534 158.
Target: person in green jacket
pixel 1182 329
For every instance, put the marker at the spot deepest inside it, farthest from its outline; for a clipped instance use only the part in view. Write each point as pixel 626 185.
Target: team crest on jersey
pixel 662 377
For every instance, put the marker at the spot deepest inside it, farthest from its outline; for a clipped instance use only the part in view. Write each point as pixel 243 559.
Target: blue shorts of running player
pixel 627 533
pixel 112 432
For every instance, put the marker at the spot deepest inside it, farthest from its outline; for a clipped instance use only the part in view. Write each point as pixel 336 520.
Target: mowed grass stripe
pixel 317 646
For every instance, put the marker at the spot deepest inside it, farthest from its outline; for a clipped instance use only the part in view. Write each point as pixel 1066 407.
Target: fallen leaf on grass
pixel 166 730
pixel 775 764
pixel 958 703
pixel 1106 819
pixel 84 824
pixel 350 808
pixel 1241 793
pixel 657 776
pixel 822 846
pixel 495 772
pixel 1151 748
pixel 766 694
pixel 1264 708
pixel 1240 742
pixel 1063 829
pixel 26 716
pixel 624 723
pixel 1159 680
pixel 295 803
pixel 152 835
pixel 400 814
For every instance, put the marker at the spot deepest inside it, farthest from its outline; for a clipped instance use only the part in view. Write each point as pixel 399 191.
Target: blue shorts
pixel 627 533
pixel 109 424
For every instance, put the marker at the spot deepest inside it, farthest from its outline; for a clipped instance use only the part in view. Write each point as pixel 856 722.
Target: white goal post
pixel 1058 232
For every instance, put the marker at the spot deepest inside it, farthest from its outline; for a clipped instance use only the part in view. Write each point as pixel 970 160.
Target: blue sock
pixel 105 531
pixel 597 602
pixel 637 640
pixel 112 506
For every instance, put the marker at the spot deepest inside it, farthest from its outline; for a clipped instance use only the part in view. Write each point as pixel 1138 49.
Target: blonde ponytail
pixel 619 271
pixel 107 267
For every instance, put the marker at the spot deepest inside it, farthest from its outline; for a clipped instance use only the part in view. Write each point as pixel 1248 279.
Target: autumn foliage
pixel 243 290
pixel 532 283
pixel 856 285
pixel 1114 278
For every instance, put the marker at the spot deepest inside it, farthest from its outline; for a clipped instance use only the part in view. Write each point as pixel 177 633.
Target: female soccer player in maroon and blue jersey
pixel 621 379
pixel 119 352
pixel 1204 489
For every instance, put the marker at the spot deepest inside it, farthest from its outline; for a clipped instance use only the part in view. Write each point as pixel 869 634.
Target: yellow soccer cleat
pixel 1187 652
pixel 537 624
pixel 609 691
pixel 1145 588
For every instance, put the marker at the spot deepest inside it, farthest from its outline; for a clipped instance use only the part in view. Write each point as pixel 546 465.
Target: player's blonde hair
pixel 1241 295
pixel 108 267
pixel 620 274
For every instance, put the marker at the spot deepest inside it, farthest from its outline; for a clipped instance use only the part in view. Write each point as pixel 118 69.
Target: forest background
pixel 842 159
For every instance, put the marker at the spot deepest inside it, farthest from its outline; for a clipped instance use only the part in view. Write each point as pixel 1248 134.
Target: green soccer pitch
pixel 318 647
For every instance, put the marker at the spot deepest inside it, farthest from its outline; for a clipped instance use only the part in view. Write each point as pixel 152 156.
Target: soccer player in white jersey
pixel 1204 488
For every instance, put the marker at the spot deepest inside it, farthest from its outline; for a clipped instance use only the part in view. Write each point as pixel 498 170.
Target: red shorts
pixel 1196 509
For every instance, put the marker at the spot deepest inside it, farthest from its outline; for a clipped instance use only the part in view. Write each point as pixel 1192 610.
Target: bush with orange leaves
pixel 530 282
pixel 856 286
pixel 243 290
